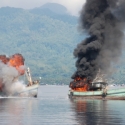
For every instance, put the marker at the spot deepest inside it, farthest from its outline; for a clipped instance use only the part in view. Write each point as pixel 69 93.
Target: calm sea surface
pixel 53 107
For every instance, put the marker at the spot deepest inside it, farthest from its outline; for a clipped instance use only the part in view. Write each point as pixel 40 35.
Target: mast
pixel 28 75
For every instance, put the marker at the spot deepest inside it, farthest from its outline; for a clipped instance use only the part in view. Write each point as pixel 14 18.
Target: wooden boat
pixel 114 94
pixel 99 89
pixel 31 89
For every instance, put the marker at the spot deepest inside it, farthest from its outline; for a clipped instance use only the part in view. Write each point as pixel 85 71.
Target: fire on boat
pixel 97 89
pixel 11 69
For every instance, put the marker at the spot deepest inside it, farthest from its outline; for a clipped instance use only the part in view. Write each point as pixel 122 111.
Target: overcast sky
pixel 73 6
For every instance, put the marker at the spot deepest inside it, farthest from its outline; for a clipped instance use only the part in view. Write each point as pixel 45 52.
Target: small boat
pixel 31 89
pixel 99 89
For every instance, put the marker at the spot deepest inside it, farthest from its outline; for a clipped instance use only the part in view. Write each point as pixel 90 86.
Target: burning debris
pixel 10 69
pixel 103 21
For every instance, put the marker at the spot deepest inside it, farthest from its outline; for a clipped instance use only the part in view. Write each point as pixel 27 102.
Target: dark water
pixel 53 107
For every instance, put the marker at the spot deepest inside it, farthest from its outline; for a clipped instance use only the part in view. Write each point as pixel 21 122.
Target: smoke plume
pixel 10 70
pixel 103 20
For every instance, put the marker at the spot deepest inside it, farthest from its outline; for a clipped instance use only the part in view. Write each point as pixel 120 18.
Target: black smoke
pixel 103 20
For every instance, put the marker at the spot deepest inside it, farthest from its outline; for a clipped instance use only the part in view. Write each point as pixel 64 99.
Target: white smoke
pixel 9 80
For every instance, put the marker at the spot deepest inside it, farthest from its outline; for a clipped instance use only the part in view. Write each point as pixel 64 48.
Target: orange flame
pixel 15 60
pixel 83 88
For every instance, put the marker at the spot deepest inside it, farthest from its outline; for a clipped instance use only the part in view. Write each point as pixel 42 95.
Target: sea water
pixel 53 107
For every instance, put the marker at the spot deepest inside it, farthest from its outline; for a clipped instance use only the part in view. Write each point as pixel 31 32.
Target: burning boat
pixel 31 88
pixel 97 89
pixel 101 20
pixel 11 69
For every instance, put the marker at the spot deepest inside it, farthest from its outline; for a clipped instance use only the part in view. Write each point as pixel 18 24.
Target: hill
pixel 55 7
pixel 45 39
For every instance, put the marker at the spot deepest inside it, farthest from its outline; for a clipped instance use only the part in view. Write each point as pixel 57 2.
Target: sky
pixel 73 6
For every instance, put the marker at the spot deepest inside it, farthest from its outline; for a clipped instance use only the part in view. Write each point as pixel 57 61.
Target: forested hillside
pixel 45 38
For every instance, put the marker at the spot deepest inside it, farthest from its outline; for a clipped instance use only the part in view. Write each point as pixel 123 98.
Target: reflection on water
pixel 53 107
pixel 10 111
pixel 14 111
pixel 98 112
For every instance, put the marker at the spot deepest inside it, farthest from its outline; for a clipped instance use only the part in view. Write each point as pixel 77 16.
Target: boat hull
pixel 112 94
pixel 30 91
